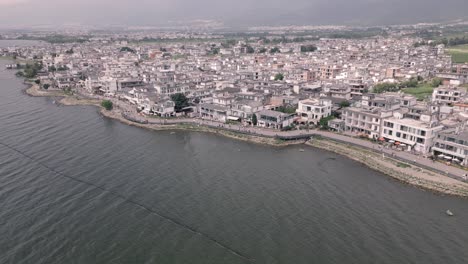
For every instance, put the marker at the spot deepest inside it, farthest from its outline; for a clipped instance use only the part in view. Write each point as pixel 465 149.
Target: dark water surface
pixel 79 188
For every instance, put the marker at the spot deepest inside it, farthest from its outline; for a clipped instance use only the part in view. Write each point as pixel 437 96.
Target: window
pixel 398 134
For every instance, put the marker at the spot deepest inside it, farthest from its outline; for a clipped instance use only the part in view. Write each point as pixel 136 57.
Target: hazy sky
pixel 232 12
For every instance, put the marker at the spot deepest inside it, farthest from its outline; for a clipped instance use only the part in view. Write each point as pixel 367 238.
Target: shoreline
pixel 410 174
pixel 73 100
pixel 401 171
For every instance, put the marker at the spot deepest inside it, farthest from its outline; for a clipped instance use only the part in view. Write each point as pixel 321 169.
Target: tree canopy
pixel 344 104
pixel 394 87
pixel 180 100
pixel 436 82
pixel 287 109
pixel 107 104
pixel 254 119
pixel 279 77
pixel 30 70
pixel 324 121
pixel 274 50
pixel 127 49
pixel 308 48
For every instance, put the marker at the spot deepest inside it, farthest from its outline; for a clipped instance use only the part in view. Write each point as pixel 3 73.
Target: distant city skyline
pixel 240 13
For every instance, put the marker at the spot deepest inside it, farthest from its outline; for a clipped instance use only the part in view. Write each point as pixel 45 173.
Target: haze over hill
pixel 232 13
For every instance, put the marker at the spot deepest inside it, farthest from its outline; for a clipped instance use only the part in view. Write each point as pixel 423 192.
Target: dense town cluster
pixel 366 87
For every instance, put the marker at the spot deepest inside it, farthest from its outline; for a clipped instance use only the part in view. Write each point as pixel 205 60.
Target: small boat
pixel 172 133
pixel 449 213
pixel 301 150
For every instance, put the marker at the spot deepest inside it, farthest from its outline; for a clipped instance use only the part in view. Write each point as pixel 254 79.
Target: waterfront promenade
pixel 408 157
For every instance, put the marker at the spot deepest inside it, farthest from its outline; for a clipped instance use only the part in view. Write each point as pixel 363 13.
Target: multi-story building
pixel 364 121
pixel 328 72
pixel 213 112
pixel 310 111
pixel 274 119
pixel 358 87
pixel 412 134
pixel 452 144
pixel 338 92
pixel 448 95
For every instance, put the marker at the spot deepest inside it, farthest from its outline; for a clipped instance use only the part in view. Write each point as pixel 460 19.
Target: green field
pixel 459 53
pixel 421 92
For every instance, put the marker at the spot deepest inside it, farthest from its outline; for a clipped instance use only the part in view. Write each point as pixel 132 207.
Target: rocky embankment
pixel 407 173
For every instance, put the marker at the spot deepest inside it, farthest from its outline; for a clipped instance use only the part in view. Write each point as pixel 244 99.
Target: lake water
pixel 79 188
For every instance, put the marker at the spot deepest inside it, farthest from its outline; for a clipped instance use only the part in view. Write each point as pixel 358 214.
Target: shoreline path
pixel 129 112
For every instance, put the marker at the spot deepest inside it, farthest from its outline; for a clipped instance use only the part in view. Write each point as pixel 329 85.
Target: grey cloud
pixel 238 12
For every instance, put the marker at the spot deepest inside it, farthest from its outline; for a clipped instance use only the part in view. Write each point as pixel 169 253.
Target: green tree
pixel 70 51
pixel 51 68
pixel 127 49
pixel 180 101
pixel 344 104
pixel 30 70
pixel 254 119
pixel 279 77
pixel 308 48
pixel 274 50
pixel 46 86
pixel 37 81
pixel 107 104
pixel 324 121
pixel 250 49
pixel 436 82
pixel 413 82
pixel 262 50
pixel 214 51
pixel 287 109
pixel 385 87
pixel 19 74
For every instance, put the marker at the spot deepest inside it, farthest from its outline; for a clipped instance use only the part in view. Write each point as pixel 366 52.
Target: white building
pixel 415 134
pixel 365 121
pixel 452 144
pixel 311 111
pixel 448 95
pixel 274 119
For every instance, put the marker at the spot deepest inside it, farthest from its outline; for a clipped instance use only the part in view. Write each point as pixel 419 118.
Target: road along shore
pixel 407 173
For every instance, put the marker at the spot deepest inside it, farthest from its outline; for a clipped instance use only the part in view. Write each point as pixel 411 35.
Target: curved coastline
pixel 72 100
pixel 410 174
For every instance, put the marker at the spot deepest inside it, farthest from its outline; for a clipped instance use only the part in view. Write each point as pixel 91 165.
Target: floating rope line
pixel 118 195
